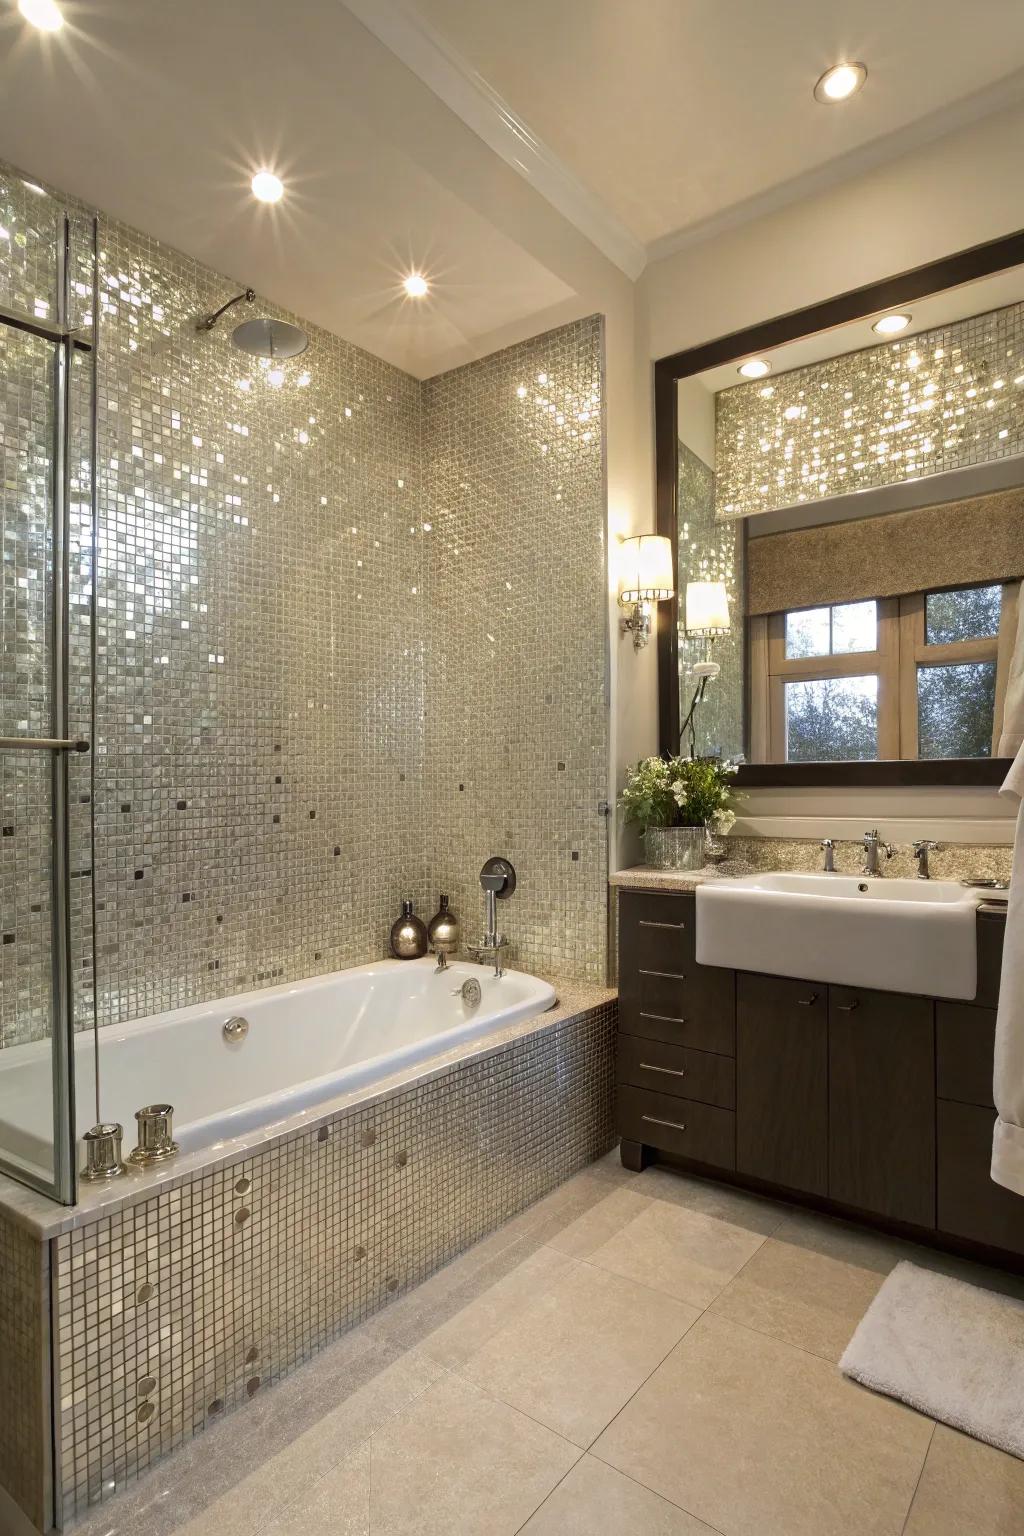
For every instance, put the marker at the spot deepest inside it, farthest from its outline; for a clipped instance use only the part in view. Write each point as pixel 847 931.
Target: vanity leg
pixel 635 1156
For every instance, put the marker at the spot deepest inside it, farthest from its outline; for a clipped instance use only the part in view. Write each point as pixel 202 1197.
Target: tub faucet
pixel 873 846
pixel 498 880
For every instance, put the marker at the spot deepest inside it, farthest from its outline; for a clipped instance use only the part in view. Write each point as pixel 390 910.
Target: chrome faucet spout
pixel 873 846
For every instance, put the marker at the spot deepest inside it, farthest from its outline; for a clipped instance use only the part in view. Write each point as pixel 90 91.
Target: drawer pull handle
pixel 649 923
pixel 662 1018
pixel 848 1007
pixel 807 1002
pixel 673 1125
pixel 649 1066
pixel 668 975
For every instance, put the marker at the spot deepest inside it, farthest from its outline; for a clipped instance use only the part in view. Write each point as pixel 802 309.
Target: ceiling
pixel 158 114
pixel 646 123
pixel 677 113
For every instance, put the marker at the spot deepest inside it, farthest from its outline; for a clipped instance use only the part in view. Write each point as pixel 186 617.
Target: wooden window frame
pixel 901 649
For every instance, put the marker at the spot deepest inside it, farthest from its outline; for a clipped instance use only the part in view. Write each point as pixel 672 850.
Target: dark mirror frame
pixel 858 304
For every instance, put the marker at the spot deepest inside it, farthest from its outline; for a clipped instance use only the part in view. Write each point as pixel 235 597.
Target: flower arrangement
pixel 681 792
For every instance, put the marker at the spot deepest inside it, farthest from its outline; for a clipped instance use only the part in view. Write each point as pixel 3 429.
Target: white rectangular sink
pixel 914 936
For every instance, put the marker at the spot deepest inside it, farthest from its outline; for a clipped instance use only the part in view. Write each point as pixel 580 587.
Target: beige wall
pixel 956 192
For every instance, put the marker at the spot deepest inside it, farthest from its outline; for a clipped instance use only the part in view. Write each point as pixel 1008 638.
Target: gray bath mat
pixel 949 1349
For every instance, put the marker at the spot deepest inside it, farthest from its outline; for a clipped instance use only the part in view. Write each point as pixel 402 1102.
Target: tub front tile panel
pixel 190 1304
pixel 24 1371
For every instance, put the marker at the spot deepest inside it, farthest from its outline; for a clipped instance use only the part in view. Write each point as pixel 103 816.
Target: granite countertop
pixel 641 878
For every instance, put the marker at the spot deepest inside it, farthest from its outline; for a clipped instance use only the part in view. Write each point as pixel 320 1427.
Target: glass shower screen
pixel 46 389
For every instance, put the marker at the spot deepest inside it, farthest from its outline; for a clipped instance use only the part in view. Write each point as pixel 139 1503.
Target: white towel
pixel 1012 734
pixel 1008 1138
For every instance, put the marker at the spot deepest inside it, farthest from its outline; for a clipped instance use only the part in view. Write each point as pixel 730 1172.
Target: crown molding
pixel 466 93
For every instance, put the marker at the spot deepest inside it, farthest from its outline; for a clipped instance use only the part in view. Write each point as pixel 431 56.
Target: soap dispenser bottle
pixel 443 933
pixel 408 935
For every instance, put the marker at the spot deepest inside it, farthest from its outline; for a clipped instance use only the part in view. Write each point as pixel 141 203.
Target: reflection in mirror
pixel 863 505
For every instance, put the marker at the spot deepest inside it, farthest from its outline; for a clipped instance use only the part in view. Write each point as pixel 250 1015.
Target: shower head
pixel 270 338
pixel 259 338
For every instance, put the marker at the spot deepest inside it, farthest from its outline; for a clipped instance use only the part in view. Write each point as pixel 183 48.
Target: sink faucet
pixel 828 848
pixel 872 848
pixel 498 879
pixel 922 848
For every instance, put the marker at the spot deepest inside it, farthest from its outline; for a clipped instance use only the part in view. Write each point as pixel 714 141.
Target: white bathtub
pixel 307 1042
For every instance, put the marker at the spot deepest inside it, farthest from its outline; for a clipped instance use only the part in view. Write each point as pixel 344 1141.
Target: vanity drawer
pixel 656 932
pixel 694 1008
pixel 680 1126
pixel 965 1045
pixel 677 1071
pixel 970 1204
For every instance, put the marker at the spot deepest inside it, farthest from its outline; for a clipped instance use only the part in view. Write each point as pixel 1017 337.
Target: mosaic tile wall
pixel 941 400
pixel 517 716
pixel 260 665
pixel 304 574
pixel 183 1306
pixel 24 1371
pixel 710 550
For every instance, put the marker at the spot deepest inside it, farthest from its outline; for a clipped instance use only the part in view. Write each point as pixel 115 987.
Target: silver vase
pixel 675 847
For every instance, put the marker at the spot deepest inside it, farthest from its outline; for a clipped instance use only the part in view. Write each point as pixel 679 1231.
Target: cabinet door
pixel 970 1205
pixel 882 1103
pixel 782 1081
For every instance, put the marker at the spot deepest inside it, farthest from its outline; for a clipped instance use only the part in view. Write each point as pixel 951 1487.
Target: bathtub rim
pixel 44 1219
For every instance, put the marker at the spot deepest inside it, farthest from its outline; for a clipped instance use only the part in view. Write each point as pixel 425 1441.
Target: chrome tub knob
pixel 103 1152
pixel 154 1131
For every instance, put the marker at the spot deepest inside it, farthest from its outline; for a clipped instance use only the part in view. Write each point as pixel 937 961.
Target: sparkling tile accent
pixel 189 1304
pixel 24 1369
pixel 941 400
pixel 517 695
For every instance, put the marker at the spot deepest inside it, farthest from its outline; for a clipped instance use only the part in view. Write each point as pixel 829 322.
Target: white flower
pixel 679 794
pixel 722 822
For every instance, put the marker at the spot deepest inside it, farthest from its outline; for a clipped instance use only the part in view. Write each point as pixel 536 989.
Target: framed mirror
pixel 843 488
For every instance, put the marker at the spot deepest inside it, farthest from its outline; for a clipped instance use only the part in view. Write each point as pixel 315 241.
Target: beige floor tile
pixel 337 1505
pixel 580 1352
pixel 685 1253
pixel 595 1500
pixel 482 1314
pixel 728 1204
pixel 967 1489
pixel 580 1237
pixel 458 1462
pixel 810 1284
pixel 757 1437
pixel 264 1494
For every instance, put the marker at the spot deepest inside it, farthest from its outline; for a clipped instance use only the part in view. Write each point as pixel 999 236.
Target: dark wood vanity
pixel 870 1104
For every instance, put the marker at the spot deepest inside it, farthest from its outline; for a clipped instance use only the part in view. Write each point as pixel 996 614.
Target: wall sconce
pixel 647 577
pixel 707 614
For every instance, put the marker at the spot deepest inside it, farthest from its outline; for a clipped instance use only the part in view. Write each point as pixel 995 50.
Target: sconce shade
pixel 647 575
pixel 707 608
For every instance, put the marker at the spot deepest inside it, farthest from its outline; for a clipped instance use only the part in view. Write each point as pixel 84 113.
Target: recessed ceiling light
pixel 840 83
pixel 267 187
pixel 416 285
pixel 44 14
pixel 888 325
pixel 755 368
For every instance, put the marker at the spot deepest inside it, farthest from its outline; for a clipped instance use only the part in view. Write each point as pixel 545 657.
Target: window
pixel 921 676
